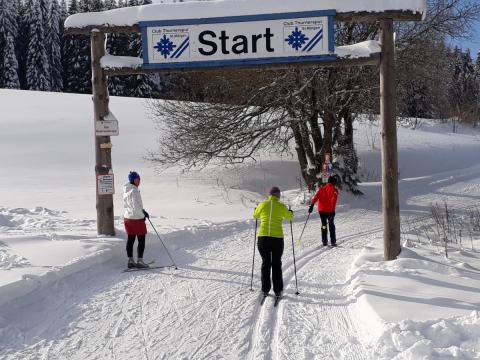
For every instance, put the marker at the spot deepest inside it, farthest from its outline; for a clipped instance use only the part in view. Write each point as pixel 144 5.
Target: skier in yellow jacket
pixel 270 239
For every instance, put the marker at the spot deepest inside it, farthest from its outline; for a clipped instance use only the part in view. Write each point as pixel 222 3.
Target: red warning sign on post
pixel 327 168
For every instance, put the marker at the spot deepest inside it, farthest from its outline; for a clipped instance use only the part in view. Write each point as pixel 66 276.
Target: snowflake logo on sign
pixel 165 46
pixel 296 39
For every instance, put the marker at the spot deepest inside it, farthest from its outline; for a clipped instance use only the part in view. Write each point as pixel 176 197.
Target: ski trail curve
pixel 318 322
pixel 204 310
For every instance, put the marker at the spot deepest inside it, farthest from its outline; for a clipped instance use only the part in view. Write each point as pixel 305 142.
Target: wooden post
pixel 390 204
pixel 103 156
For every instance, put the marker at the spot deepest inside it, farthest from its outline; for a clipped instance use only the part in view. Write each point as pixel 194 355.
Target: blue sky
pixel 473 44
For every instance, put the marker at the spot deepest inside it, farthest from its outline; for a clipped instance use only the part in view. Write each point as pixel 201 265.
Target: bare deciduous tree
pixel 241 114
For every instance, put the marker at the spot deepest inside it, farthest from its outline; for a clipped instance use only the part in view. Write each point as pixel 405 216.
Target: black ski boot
pixel 131 263
pixel 141 264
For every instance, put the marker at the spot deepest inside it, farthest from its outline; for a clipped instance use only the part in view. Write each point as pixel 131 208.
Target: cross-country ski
pixel 263 298
pixel 147 268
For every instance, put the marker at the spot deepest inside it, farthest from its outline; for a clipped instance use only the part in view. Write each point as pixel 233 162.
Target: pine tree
pixel 55 53
pixel 138 85
pixel 63 9
pixel 463 93
pixel 63 16
pixel 470 89
pixel 10 65
pixel 45 6
pixel 84 70
pixel 22 40
pixel 69 54
pixel 96 5
pixel 37 60
pixel 116 45
pixel 477 64
pixel 477 83
pixel 110 4
pixel 77 67
pixel 83 6
pixel 45 10
pixel 8 34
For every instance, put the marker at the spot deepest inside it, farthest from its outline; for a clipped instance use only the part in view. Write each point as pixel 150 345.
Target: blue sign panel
pixel 239 40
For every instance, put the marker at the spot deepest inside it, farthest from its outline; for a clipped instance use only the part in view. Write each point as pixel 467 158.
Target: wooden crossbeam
pixel 374 59
pixel 365 16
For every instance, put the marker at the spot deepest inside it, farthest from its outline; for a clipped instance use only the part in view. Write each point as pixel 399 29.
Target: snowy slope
pixel 63 294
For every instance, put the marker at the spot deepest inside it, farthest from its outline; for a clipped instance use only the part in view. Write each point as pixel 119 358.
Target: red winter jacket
pixel 327 198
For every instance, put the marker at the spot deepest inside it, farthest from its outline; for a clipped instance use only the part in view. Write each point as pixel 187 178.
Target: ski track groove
pixel 274 318
pixel 142 327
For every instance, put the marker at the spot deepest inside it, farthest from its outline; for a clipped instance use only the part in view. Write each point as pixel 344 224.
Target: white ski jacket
pixel 132 202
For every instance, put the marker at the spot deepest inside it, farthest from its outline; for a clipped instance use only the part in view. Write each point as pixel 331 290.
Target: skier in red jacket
pixel 327 201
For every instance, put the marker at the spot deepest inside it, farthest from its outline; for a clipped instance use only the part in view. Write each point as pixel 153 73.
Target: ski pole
pixel 304 226
pixel 253 261
pixel 294 265
pixel 173 262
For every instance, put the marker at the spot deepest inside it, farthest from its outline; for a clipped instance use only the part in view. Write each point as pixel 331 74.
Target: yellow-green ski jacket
pixel 271 213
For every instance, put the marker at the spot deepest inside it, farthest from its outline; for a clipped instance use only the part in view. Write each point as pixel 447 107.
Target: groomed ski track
pixel 204 310
pixel 317 323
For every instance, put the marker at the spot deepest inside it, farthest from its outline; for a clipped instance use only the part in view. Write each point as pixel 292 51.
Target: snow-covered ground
pixel 63 294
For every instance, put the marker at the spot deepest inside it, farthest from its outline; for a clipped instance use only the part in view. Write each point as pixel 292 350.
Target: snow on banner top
pixel 131 16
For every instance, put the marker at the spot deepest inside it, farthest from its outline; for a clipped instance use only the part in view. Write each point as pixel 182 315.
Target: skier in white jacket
pixel 134 220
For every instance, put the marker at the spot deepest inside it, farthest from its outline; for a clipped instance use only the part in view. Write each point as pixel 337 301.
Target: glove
pixel 146 214
pixel 310 208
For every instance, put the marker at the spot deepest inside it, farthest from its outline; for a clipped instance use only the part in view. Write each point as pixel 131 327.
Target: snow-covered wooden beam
pixel 126 20
pixel 361 54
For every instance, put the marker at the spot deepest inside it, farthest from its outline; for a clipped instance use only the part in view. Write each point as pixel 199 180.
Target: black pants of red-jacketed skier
pixel 140 247
pixel 271 251
pixel 328 217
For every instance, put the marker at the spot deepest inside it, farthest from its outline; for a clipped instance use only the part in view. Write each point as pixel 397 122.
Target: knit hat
pixel 132 176
pixel 275 191
pixel 332 180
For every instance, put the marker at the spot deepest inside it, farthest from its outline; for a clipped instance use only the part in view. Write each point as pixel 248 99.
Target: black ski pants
pixel 140 247
pixel 271 251
pixel 328 217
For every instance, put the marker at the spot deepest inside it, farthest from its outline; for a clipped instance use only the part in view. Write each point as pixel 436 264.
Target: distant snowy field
pixel 63 294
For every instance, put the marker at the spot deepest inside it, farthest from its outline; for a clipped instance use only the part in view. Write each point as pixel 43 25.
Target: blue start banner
pixel 239 40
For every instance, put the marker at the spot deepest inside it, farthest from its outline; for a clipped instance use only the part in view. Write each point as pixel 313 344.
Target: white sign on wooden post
pixel 105 184
pixel 239 40
pixel 107 127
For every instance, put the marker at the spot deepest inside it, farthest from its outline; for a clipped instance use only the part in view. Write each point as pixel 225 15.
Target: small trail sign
pixel 105 184
pixel 327 168
pixel 239 40
pixel 108 126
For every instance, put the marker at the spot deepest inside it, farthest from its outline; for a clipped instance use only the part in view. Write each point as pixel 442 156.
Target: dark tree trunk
pixel 302 157
pixel 315 129
pixel 328 126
